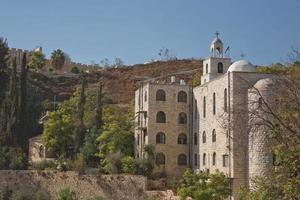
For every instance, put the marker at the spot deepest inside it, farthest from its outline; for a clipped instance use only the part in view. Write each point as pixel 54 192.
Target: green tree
pixel 116 139
pixel 75 70
pixel 59 133
pixel 66 194
pixel 3 68
pixel 204 186
pixel 58 59
pixel 37 60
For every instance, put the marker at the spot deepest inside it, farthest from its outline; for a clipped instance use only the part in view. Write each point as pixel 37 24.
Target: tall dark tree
pixel 23 101
pixel 3 68
pixel 99 105
pixel 58 59
pixel 12 106
pixel 80 107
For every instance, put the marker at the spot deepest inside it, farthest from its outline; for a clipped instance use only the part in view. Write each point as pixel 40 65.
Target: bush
pixel 75 70
pixel 5 193
pixel 144 167
pixel 23 194
pixel 12 158
pixel 42 195
pixel 204 186
pixel 97 198
pixel 128 165
pixel 66 194
pixel 44 164
pixel 79 164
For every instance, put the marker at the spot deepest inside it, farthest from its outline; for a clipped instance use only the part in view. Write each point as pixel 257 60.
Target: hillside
pixel 119 83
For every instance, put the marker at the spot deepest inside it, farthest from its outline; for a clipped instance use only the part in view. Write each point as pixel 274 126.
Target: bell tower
pixel 216 64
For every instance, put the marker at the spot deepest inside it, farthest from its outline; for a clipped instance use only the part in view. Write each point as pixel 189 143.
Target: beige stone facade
pixel 217 126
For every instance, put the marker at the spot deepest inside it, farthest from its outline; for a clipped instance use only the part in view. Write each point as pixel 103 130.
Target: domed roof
pixel 242 66
pixel 216 41
pixel 265 83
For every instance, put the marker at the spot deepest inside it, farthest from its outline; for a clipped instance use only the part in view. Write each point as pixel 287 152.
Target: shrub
pixel 44 164
pixel 75 70
pixel 23 194
pixel 128 165
pixel 12 158
pixel 5 193
pixel 66 194
pixel 79 164
pixel 97 198
pixel 204 186
pixel 42 195
pixel 144 167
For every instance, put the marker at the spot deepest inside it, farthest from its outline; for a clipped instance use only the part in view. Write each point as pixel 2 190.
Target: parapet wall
pixel 110 187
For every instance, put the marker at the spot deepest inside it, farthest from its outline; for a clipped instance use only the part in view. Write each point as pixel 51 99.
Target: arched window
pixel 160 159
pixel 160 138
pixel 214 136
pixel 182 97
pixel 182 159
pixel 204 107
pixel 206 68
pixel 160 95
pixel 195 138
pixel 225 99
pixel 220 67
pixel 161 117
pixel 214 103
pixel 182 139
pixel 145 96
pixel 182 118
pixel 214 159
pixel 204 159
pixel 41 151
pixel 204 137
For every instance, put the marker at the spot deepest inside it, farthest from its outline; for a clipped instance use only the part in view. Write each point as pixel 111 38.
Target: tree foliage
pixel 58 59
pixel 37 60
pixel 204 186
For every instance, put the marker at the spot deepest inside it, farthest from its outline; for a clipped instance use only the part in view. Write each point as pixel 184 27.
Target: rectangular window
pixel 225 160
pixel 138 139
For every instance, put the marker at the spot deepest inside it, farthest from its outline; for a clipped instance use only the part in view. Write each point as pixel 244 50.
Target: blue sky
pixel 135 30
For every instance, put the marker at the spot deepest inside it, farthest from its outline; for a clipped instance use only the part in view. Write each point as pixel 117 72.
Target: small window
pixel 214 159
pixel 182 97
pixel 145 96
pixel 195 138
pixel 225 160
pixel 41 151
pixel 182 118
pixel 214 136
pixel 160 159
pixel 204 159
pixel 204 137
pixel 225 99
pixel 161 117
pixel 206 68
pixel 195 159
pixel 160 138
pixel 204 107
pixel 182 159
pixel 182 139
pixel 160 95
pixel 214 103
pixel 138 139
pixel 220 67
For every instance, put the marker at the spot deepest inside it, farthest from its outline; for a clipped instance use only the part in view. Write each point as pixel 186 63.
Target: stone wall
pixel 111 187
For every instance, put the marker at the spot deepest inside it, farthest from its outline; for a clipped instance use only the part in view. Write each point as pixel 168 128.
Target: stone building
pixel 205 127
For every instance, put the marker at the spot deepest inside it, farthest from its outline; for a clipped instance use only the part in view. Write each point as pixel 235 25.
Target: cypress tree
pixel 99 104
pixel 3 68
pixel 23 102
pixel 12 105
pixel 81 128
